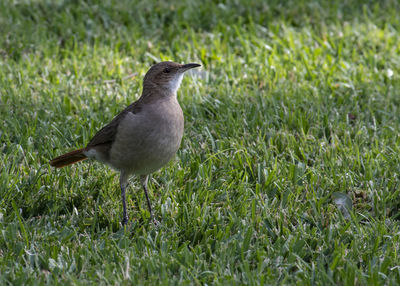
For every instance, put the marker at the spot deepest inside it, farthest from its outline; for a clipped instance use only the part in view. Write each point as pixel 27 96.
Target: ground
pixel 296 103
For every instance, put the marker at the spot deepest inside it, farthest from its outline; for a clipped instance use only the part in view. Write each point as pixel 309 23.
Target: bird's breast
pixel 148 140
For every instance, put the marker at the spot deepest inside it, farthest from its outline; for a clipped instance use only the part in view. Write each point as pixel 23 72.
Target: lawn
pixel 296 104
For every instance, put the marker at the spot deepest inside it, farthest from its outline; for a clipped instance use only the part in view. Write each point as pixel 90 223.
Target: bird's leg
pixel 143 180
pixel 123 182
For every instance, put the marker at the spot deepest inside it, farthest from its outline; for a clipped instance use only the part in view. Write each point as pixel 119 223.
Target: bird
pixel 143 137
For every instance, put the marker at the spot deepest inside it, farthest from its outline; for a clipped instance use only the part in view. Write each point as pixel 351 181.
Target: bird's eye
pixel 166 70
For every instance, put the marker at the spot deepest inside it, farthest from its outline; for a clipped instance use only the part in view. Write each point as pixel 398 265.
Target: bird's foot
pixel 125 220
pixel 154 221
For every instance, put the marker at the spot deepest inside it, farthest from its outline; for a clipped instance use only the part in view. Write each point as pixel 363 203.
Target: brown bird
pixel 143 137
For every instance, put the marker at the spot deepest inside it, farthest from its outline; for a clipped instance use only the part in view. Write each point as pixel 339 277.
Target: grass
pixel 297 101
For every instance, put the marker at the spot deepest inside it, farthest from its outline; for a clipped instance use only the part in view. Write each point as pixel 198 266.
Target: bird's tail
pixel 68 158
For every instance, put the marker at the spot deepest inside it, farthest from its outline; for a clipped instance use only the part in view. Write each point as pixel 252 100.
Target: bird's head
pixel 166 76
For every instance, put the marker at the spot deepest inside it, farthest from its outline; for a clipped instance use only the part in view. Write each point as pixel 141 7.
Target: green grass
pixel 297 101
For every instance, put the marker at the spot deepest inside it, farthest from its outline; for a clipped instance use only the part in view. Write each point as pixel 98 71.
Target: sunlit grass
pixel 294 102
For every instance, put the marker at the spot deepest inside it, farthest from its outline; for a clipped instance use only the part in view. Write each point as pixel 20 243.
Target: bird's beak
pixel 186 67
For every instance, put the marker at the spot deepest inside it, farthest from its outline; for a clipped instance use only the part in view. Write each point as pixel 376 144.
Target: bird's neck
pixel 152 92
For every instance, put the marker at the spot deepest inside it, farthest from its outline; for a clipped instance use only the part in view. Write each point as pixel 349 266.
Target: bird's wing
pixel 106 135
